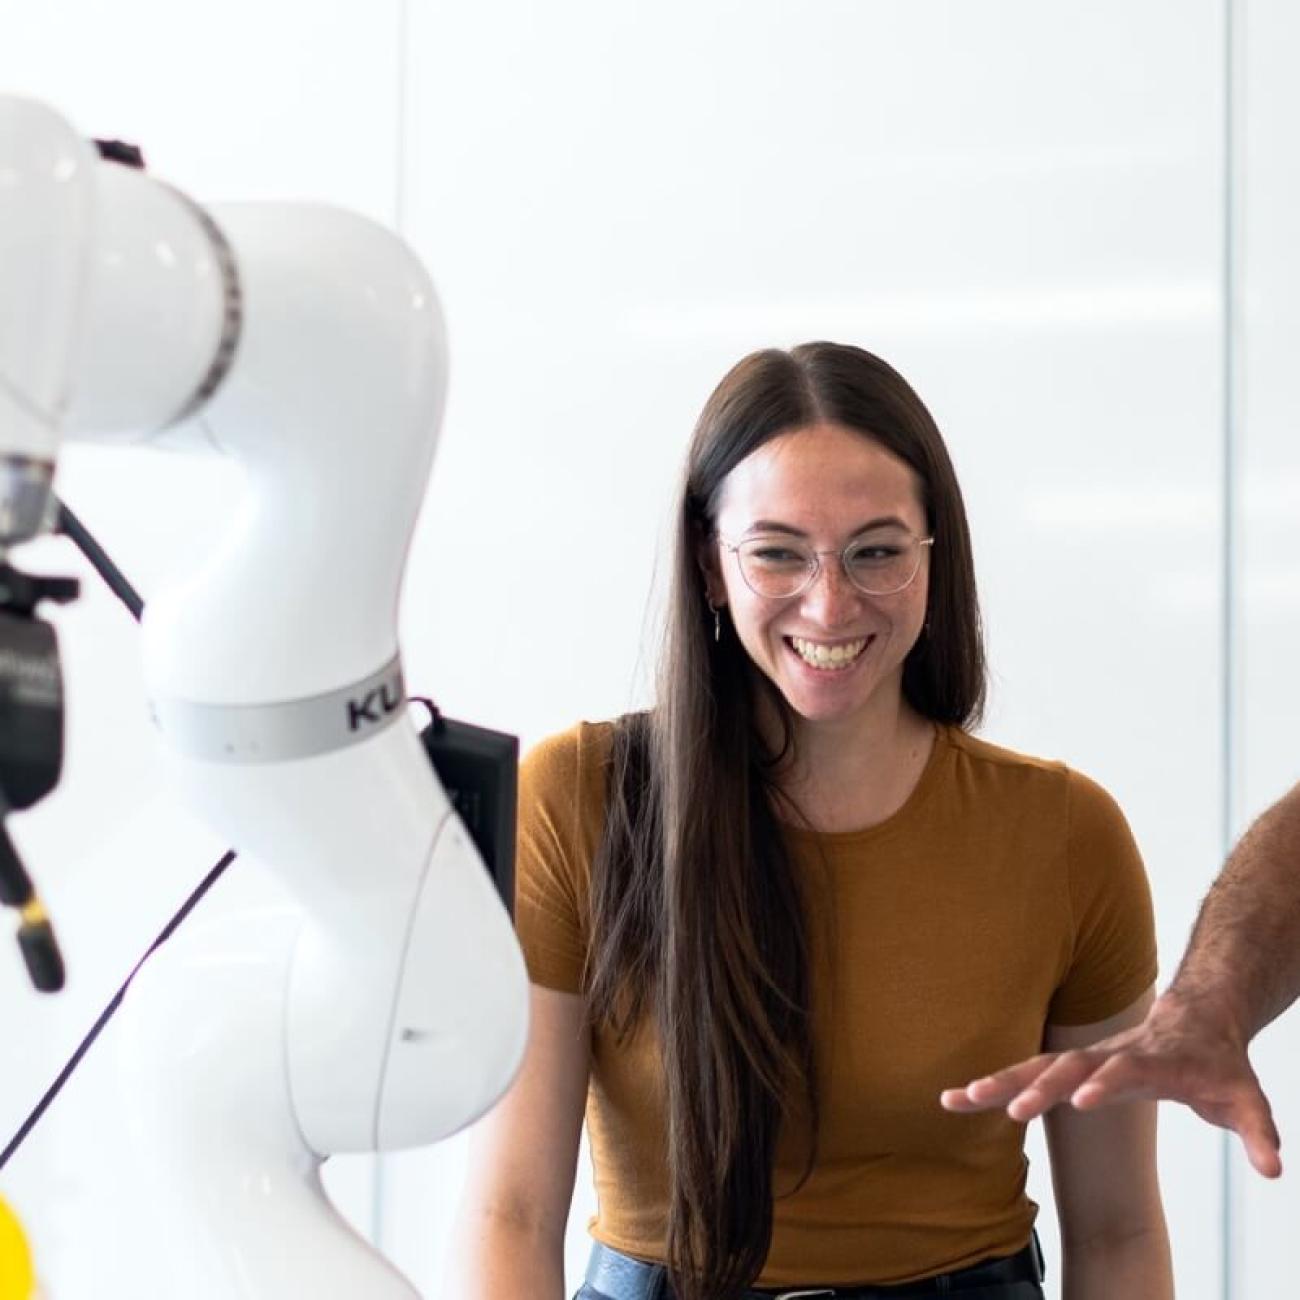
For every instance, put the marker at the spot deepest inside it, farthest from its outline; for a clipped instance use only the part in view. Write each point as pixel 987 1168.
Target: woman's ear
pixel 706 556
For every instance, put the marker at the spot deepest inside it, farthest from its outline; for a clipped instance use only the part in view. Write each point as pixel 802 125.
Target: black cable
pixel 111 1009
pixel 69 524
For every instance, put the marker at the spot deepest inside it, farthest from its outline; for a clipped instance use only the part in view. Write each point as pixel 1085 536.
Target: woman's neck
pixel 857 773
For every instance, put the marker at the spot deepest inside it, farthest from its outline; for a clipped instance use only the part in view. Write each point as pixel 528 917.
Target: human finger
pixel 1053 1085
pixel 1128 1076
pixel 994 1090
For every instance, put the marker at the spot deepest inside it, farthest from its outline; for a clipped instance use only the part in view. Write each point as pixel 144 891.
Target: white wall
pixel 1020 205
pixel 1265 758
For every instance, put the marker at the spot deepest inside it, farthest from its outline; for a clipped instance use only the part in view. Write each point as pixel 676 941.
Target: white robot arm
pixel 387 1006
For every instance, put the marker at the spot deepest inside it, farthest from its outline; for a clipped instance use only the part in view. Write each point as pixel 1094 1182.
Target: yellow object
pixel 33 912
pixel 17 1278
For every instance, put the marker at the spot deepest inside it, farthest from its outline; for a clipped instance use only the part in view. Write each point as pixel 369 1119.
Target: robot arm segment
pixel 46 202
pixel 119 310
pixel 307 344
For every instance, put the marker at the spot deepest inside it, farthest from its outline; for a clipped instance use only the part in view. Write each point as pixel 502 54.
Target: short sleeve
pixel 1113 958
pixel 549 870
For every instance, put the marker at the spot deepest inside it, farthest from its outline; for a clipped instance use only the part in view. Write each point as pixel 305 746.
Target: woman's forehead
pixel 821 473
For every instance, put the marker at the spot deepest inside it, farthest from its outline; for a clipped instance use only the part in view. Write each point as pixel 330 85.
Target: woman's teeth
pixel 828 656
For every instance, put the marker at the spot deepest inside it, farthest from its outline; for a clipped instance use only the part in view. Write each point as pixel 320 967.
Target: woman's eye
pixel 873 554
pixel 777 555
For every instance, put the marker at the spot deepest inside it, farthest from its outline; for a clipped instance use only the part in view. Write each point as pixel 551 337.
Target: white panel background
pixel 1019 204
pixel 1266 606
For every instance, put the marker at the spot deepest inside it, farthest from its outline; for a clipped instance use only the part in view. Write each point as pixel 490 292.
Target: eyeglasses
pixel 877 563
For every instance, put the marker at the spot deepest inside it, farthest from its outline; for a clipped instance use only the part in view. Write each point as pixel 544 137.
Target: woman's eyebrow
pixel 775 526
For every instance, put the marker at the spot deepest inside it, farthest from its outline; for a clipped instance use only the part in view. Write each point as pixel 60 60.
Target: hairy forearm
pixel 1243 961
pixel 1123 1266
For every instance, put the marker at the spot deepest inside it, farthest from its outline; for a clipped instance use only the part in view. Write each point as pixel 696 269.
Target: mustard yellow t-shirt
pixel 1006 894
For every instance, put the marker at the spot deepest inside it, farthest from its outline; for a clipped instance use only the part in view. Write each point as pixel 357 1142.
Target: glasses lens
pixel 775 568
pixel 882 563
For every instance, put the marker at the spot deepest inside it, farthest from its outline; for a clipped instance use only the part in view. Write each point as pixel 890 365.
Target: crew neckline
pixel 905 813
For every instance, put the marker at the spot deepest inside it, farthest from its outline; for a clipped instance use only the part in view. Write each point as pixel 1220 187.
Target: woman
pixel 770 920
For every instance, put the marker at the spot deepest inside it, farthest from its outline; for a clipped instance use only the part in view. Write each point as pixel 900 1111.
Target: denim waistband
pixel 611 1275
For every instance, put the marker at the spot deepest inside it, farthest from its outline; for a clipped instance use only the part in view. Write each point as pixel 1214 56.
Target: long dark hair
pixel 697 913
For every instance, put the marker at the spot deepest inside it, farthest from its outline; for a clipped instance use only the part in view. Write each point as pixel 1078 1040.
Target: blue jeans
pixel 614 1276
pixel 1005 1291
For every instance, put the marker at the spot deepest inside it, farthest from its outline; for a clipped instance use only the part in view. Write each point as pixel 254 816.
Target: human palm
pixel 1180 1052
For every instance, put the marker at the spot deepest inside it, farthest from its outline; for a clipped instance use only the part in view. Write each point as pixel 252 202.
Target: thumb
pixel 1254 1125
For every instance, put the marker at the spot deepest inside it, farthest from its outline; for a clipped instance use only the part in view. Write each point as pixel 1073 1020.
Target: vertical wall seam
pixel 1230 630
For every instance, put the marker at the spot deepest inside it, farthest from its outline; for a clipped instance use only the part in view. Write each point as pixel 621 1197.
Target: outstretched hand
pixel 1178 1053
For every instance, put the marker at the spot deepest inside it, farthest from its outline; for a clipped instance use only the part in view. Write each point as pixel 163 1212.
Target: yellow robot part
pixel 17 1277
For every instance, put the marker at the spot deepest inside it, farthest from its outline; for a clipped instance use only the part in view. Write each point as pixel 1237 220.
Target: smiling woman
pixel 832 638
pixel 770 919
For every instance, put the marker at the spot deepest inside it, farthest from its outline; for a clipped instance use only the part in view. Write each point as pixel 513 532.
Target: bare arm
pixel 509 1240
pixel 1243 961
pixel 1113 1237
pixel 1241 969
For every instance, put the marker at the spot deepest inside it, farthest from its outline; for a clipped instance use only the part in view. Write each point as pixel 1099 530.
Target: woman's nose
pixel 831 598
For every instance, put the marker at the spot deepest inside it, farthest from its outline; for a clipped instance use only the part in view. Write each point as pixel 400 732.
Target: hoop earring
pixel 717 620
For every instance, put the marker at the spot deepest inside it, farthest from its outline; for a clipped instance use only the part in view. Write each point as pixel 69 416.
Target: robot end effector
pixel 31 749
